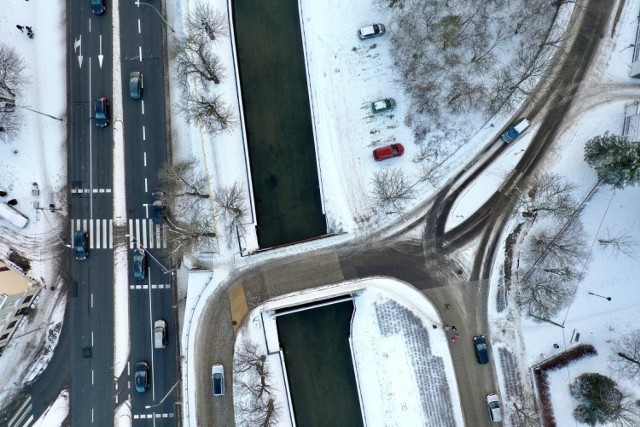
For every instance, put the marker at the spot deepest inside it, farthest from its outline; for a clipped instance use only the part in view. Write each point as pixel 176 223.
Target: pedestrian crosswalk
pixel 140 231
pixel 23 417
pixel 147 234
pixel 152 416
pixel 100 232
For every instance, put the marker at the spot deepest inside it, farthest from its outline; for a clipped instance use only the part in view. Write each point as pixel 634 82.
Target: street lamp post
pixel 607 298
pixel 165 270
pixel 164 398
pixel 138 3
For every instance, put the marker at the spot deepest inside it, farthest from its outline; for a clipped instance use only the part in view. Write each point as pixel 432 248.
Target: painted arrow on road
pixel 100 56
pixel 77 44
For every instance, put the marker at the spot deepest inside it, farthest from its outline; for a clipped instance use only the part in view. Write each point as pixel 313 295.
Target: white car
pixel 217 380
pixel 371 31
pixel 493 405
pixel 160 334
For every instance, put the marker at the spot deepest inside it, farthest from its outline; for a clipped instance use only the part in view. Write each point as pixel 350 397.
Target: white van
pixel 160 334
pixel 13 215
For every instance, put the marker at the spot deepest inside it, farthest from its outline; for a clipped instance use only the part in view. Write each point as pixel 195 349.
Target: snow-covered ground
pixel 343 80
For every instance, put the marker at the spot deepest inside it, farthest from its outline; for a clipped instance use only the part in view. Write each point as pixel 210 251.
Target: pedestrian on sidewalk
pixel 453 328
pixel 20 27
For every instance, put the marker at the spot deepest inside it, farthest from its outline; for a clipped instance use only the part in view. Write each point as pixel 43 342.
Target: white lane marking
pixel 94 236
pixel 145 158
pixel 130 234
pixel 142 106
pixel 139 26
pixel 144 133
pixel 144 230
pixel 90 231
pixel 140 52
pixel 146 188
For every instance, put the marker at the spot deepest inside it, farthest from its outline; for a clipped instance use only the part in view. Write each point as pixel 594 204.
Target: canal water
pixel 278 121
pixel 319 366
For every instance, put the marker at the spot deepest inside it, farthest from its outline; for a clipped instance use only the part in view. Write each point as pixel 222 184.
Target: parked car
pixel 480 347
pixel 393 150
pixel 159 333
pixel 493 405
pixel 141 376
pixel 383 105
pixel 217 380
pixel 80 245
pixel 139 264
pixel 371 31
pixel 97 7
pixel 101 108
pixel 516 129
pixel 136 84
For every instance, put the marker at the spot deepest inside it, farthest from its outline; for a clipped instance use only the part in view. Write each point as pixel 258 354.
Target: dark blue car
pixel 80 245
pixel 481 349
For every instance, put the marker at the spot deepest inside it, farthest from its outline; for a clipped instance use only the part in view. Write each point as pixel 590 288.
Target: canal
pixel 277 115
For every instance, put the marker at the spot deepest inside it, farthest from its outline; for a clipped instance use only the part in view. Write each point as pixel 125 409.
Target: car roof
pixel 368 30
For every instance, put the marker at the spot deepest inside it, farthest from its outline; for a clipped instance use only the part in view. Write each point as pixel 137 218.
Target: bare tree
pixel 12 66
pixel 184 178
pixel 620 243
pixel 10 121
pixel 208 20
pixel 626 360
pixel 195 59
pixel 247 356
pixel 192 231
pixel 391 189
pixel 549 193
pixel 543 295
pixel 556 244
pixel 251 373
pixel 232 202
pixel 207 111
pixel 522 410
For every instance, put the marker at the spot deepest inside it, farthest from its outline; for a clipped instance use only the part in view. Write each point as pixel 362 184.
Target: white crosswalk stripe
pixel 100 232
pixel 148 234
pixel 153 286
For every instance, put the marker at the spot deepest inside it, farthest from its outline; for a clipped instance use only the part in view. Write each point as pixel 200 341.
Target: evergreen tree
pixel 615 159
pixel 599 399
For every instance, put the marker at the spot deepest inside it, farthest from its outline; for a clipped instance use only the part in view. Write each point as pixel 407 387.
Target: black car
pixel 135 84
pixel 97 7
pixel 158 208
pixel 480 347
pixel 80 245
pixel 141 377
pixel 101 108
pixel 139 264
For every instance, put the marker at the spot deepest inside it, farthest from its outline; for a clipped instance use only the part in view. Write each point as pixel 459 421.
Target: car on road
pixel 516 129
pixel 97 7
pixel 371 31
pixel 383 153
pixel 160 334
pixel 158 207
pixel 383 105
pixel 139 264
pixel 141 376
pixel 480 347
pixel 493 405
pixel 217 380
pixel 136 84
pixel 101 109
pixel 80 245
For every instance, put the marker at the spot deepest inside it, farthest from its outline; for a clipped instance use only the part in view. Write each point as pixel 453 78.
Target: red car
pixel 393 150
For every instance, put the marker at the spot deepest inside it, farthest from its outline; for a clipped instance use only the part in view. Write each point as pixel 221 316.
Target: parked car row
pixel 481 351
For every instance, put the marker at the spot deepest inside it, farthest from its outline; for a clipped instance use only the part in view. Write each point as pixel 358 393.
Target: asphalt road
pixel 83 360
pixel 424 264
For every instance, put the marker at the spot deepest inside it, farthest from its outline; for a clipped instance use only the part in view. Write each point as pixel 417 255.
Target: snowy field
pixel 344 78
